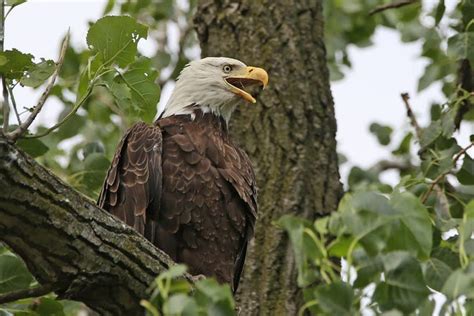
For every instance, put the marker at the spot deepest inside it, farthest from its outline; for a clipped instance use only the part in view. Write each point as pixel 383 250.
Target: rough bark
pixel 67 241
pixel 289 134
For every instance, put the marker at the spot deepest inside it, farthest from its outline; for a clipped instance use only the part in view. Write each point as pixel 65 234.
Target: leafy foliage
pixel 173 295
pixel 403 245
pixel 400 244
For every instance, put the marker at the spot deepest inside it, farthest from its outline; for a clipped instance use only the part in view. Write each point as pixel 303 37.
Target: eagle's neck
pixel 196 117
pixel 186 98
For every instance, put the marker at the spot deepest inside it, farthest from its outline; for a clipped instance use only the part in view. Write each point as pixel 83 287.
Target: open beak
pixel 246 77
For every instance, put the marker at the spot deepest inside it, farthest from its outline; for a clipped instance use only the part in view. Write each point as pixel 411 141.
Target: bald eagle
pixel 182 182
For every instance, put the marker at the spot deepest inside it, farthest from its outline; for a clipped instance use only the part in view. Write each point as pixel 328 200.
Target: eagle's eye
pixel 227 69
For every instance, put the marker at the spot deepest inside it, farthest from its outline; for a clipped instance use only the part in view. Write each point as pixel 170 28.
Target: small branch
pixel 393 5
pixel 384 165
pixel 411 115
pixel 418 132
pixel 6 106
pixel 67 117
pixel 24 127
pixel 26 293
pixel 15 108
pixel 441 176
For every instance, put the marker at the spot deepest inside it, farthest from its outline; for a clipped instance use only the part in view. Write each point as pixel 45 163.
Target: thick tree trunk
pixel 68 243
pixel 289 134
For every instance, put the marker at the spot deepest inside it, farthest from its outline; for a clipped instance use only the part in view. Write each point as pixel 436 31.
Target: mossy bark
pixel 289 134
pixel 66 241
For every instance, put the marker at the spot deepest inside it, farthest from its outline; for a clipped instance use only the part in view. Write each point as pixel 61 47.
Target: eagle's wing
pixel 247 190
pixel 132 188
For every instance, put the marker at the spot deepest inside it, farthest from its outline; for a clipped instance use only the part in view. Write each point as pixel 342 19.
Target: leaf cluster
pixel 173 295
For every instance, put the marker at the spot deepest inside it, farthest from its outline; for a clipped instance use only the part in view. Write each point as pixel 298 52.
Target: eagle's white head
pixel 214 84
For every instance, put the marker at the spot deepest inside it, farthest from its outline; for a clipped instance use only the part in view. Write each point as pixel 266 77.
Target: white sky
pixel 369 93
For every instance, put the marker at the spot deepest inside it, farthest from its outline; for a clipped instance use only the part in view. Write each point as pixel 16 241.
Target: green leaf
pixel 72 126
pixel 461 46
pixel 96 161
pixel 368 271
pixel 404 147
pixel 33 147
pixel 340 246
pixel 335 298
pixel 436 273
pixel 367 216
pixel 14 3
pixel 447 256
pixel 93 147
pixel 415 224
pixel 173 272
pixel 404 287
pixel 162 60
pixel 440 9
pixel 432 73
pixel 459 283
pixel 431 133
pixel 87 76
pixel 13 274
pixel 108 8
pixel 14 63
pixel 145 93
pixel 380 224
pixel 466 174
pixel 91 177
pixel 49 307
pixel 217 297
pixel 179 304
pixel 358 176
pixel 115 39
pixel 428 307
pixel 467 11
pixel 38 73
pixel 382 132
pixel 295 228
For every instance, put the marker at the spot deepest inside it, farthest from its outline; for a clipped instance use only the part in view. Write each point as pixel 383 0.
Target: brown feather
pixel 185 185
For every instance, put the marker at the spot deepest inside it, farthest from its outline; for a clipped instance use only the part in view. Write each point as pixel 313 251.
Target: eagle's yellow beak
pixel 248 76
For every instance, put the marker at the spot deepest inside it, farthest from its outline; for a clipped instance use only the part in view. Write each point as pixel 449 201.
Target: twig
pixel 67 117
pixel 384 165
pixel 393 5
pixel 411 115
pixel 6 106
pixel 441 176
pixel 418 132
pixel 37 108
pixel 15 109
pixel 26 293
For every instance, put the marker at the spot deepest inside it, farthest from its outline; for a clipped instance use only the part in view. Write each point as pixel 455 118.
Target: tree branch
pixel 15 108
pixel 66 240
pixel 24 126
pixel 384 165
pixel 393 5
pixel 435 182
pixel 26 293
pixel 411 115
pixel 6 106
